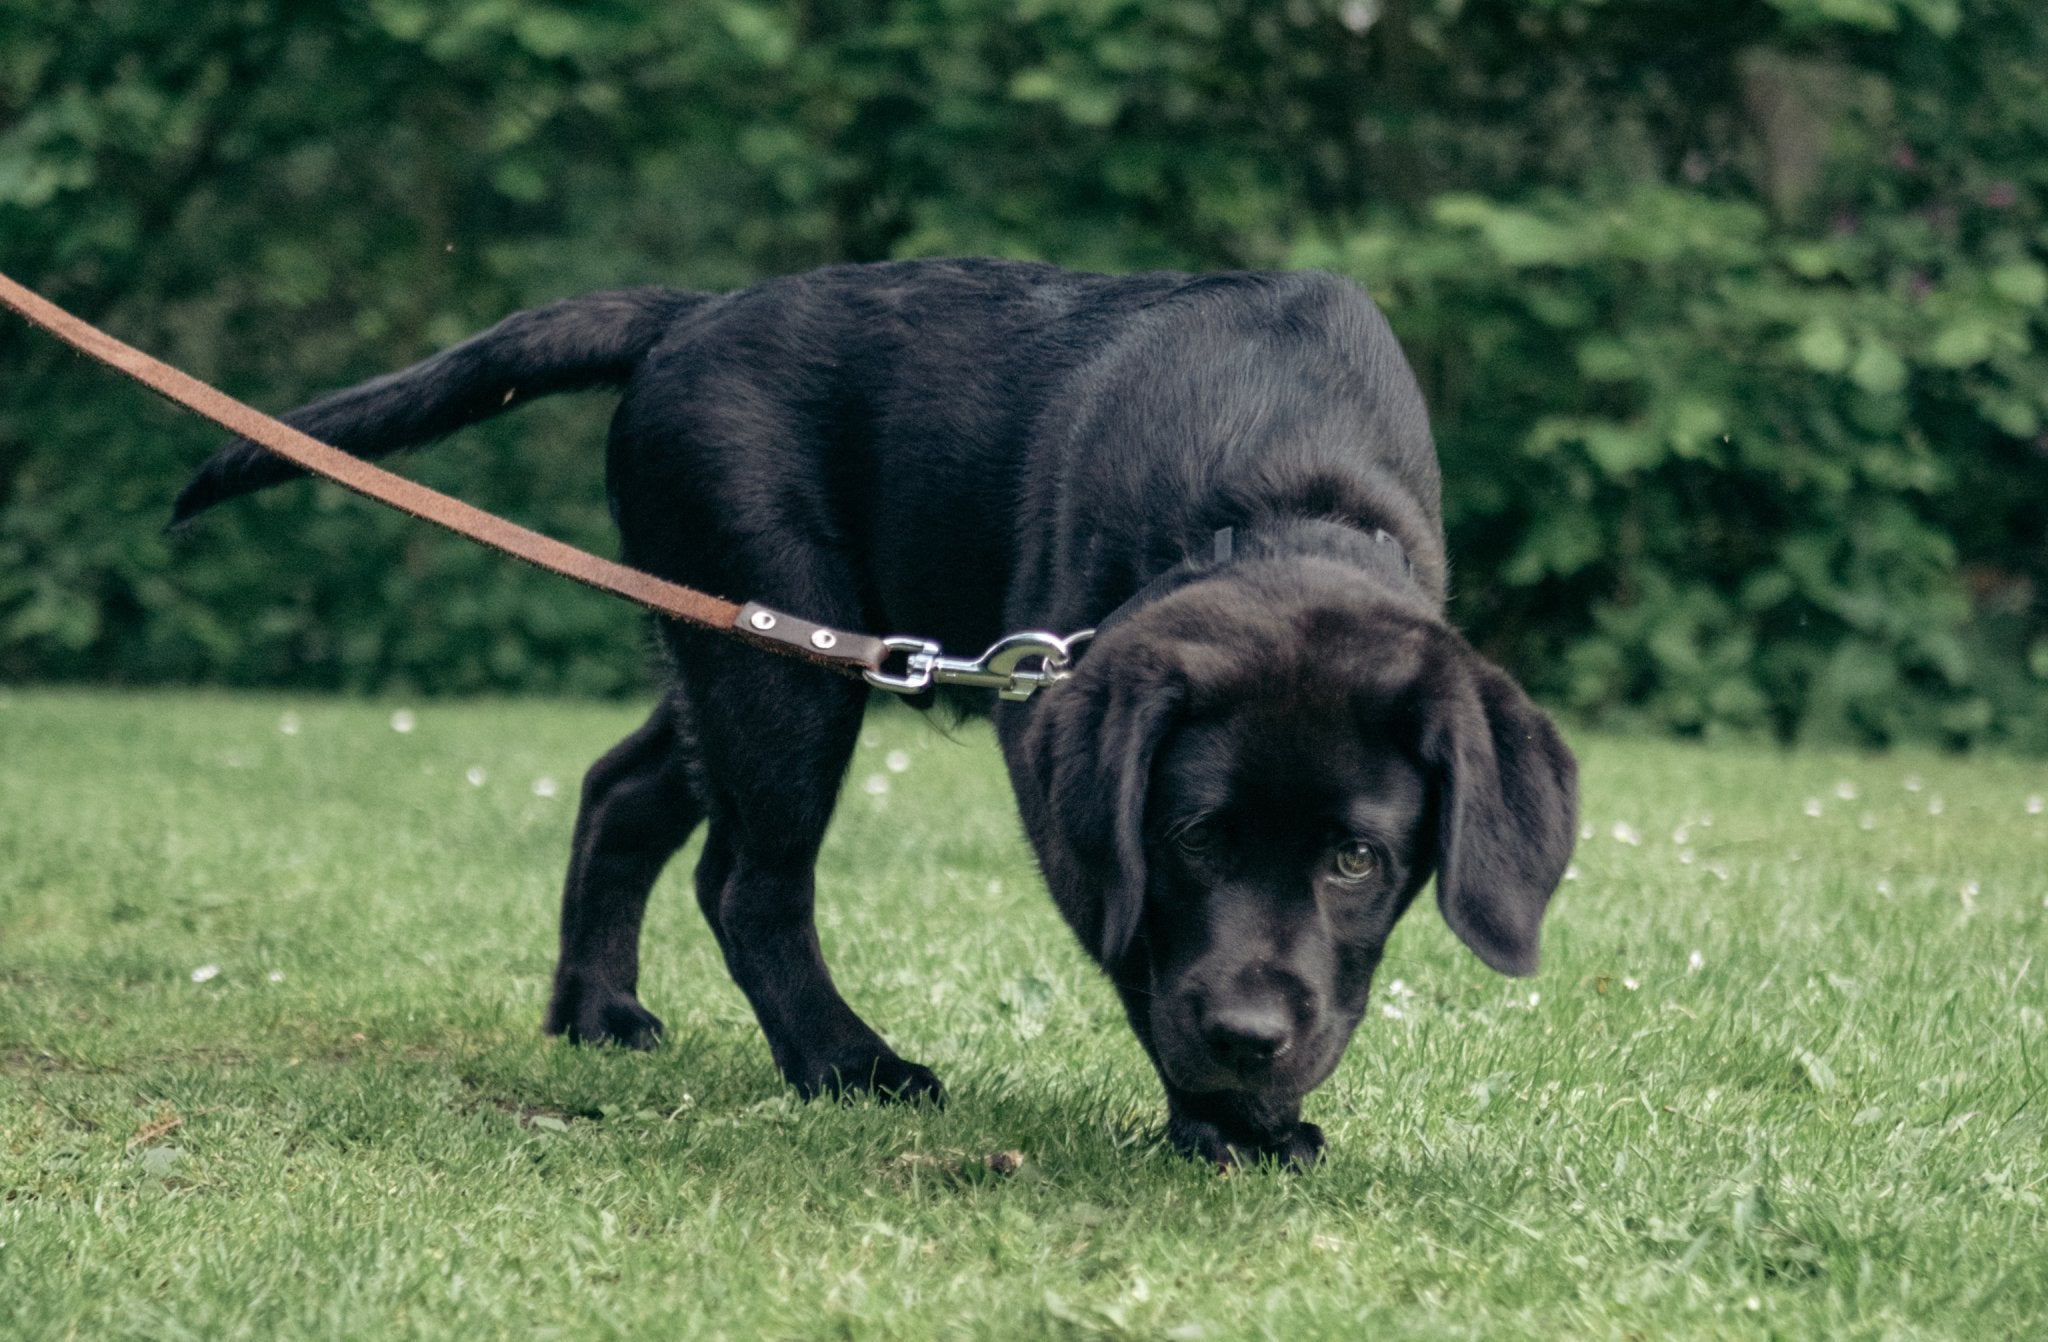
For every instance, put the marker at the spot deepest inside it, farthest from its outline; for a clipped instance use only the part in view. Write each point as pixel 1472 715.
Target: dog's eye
pixel 1198 837
pixel 1354 861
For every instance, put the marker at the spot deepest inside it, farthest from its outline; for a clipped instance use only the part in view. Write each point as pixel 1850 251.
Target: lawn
pixel 271 973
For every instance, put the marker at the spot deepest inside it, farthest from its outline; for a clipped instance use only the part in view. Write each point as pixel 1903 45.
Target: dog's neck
pixel 1376 551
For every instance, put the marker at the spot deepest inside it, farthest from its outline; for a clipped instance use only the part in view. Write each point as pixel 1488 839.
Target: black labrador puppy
pixel 1272 743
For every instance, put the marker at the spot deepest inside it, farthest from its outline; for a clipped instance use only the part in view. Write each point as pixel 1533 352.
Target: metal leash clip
pixel 1000 668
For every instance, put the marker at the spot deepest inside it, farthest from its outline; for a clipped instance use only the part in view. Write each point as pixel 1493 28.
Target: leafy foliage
pixel 1731 316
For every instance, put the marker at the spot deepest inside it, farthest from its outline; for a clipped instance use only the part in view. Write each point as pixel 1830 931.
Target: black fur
pixel 573 345
pixel 960 449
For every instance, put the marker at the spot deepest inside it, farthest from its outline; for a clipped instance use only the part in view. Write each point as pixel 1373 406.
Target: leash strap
pixel 837 649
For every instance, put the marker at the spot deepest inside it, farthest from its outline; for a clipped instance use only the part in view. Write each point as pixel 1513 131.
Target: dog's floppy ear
pixel 1093 746
pixel 1507 809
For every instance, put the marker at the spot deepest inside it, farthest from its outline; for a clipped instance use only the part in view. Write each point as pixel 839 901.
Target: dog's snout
pixel 1248 1035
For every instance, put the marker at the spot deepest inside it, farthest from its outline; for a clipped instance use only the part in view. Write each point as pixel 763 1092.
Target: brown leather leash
pixel 1003 667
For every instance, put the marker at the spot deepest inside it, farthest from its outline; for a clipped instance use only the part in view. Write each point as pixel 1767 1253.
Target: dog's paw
pixel 591 1017
pixel 1300 1149
pixel 1297 1148
pixel 888 1078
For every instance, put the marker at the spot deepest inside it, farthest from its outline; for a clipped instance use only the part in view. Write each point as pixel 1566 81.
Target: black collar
pixel 1224 551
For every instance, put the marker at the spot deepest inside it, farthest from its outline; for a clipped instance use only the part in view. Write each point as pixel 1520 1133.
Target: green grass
pixel 1831 1124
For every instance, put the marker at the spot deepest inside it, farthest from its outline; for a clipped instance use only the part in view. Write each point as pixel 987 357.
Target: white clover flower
pixel 205 972
pixel 1695 962
pixel 1627 833
pixel 1866 821
pixel 1934 806
pixel 544 786
pixel 875 786
pixel 1845 790
pixel 1812 808
pixel 897 761
pixel 1571 871
pixel 403 721
pixel 1631 984
pixel 275 976
pixel 1685 857
pixel 2034 804
pixel 289 724
pixel 1912 782
pixel 475 774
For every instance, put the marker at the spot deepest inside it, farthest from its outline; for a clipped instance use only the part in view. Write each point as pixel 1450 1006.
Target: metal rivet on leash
pixel 823 638
pixel 762 620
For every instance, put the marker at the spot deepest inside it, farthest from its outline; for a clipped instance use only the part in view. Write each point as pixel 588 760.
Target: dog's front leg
pixel 776 740
pixel 759 902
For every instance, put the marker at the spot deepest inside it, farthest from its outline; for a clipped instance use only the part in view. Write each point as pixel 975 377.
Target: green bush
pixel 1730 316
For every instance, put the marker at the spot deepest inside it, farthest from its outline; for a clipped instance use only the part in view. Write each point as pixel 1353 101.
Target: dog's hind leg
pixel 774 751
pixel 639 807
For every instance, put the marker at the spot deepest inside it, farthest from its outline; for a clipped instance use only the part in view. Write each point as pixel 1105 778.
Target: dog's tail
pixel 593 341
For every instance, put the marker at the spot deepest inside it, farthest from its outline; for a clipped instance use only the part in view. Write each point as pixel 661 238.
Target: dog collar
pixel 1019 665
pixel 1222 550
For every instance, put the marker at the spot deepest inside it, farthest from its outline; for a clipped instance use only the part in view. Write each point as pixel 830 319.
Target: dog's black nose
pixel 1248 1035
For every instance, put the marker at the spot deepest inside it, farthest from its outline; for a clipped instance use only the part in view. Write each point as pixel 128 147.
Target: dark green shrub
pixel 1730 315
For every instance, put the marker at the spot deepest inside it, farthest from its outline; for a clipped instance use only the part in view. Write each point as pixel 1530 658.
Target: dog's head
pixel 1246 782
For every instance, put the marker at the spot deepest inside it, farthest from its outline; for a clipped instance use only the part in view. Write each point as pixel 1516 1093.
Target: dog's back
pixel 1050 433
pixel 1000 413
